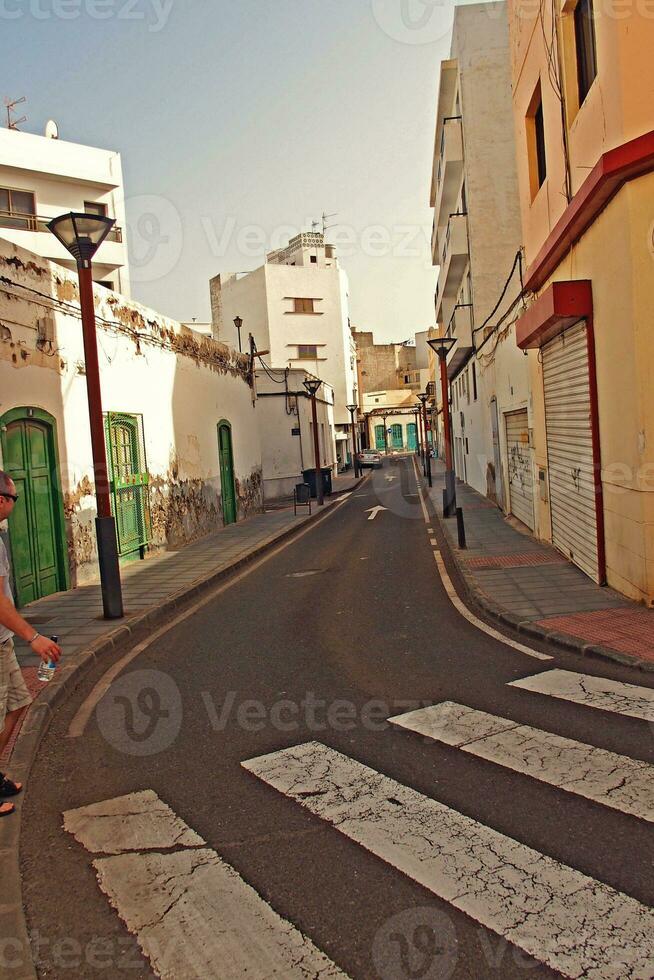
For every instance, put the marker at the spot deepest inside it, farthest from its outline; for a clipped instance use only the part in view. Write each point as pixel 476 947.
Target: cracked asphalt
pixel 282 659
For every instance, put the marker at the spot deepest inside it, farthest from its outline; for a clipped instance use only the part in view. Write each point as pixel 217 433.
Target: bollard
pixel 460 527
pixel 445 513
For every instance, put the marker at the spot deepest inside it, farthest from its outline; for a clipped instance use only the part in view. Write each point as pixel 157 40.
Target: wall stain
pixel 249 494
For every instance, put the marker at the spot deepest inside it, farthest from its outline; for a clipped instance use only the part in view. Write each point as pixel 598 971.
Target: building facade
pixel 582 81
pixel 42 177
pixel 476 240
pixel 284 418
pixel 182 440
pixel 296 307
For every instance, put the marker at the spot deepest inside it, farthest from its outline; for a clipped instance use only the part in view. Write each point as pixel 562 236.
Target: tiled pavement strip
pixel 535 584
pixel 76 616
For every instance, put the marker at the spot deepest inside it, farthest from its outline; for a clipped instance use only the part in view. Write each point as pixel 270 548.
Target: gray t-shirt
pixel 5 573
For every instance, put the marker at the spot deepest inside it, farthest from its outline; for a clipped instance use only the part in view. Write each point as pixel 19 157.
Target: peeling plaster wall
pixel 182 383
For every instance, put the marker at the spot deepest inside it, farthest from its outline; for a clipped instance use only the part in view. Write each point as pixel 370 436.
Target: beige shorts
pixel 13 691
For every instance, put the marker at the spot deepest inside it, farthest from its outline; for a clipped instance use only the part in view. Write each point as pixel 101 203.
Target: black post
pixel 460 527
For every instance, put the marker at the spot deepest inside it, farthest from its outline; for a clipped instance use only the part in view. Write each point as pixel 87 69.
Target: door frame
pixel 25 414
pixel 228 425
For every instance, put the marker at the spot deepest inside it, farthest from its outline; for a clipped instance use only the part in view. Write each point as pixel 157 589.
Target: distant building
pixel 476 240
pixel 296 307
pixel 42 177
pixel 385 366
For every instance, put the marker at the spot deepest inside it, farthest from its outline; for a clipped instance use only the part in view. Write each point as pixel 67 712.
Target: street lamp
pixel 238 323
pixel 416 415
pixel 352 409
pixel 441 347
pixel 312 385
pixel 423 399
pixel 82 235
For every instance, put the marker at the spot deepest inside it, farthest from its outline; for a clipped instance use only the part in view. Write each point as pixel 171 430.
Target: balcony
pixel 460 327
pixel 449 169
pixel 34 222
pixel 453 258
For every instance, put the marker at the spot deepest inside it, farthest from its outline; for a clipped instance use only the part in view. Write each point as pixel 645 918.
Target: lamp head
pixel 352 408
pixel 312 385
pixel 442 346
pixel 423 397
pixel 81 234
pixel 238 322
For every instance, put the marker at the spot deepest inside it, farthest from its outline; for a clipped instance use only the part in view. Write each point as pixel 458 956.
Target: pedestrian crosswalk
pixel 594 692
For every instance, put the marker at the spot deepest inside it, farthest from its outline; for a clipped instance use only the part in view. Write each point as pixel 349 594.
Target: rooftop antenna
pixel 10 107
pixel 325 226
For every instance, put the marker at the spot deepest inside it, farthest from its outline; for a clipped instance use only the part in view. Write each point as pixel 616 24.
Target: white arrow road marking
pixel 389 479
pixel 595 692
pixel 563 918
pixel 374 511
pixel 191 912
pixel 613 780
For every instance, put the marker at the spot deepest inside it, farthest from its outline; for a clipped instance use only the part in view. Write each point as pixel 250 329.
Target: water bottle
pixel 47 668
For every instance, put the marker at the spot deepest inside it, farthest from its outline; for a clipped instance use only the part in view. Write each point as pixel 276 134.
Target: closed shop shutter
pixel 570 448
pixel 521 480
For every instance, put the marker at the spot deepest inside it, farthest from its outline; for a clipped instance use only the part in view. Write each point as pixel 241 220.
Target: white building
pixel 182 438
pixel 285 422
pixel 296 307
pixel 476 238
pixel 42 177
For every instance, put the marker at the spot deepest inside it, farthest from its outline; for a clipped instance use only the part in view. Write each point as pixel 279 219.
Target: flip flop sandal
pixel 8 787
pixel 7 813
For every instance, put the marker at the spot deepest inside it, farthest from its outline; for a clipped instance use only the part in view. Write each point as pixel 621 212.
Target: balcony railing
pixel 35 222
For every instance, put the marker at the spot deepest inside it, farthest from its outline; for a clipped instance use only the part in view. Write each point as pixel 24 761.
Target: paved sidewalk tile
pixel 532 581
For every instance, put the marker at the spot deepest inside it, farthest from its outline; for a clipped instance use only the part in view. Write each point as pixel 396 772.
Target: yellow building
pixel 583 102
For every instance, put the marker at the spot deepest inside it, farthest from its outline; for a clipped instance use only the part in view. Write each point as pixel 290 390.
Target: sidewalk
pixel 150 586
pixel 529 585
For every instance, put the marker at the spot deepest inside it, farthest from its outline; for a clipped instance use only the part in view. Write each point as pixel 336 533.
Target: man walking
pixel 14 696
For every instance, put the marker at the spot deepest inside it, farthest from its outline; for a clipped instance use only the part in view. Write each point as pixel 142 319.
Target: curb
pixel 13 926
pixel 529 628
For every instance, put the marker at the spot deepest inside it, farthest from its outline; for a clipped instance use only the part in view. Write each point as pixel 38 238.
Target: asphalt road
pixel 342 629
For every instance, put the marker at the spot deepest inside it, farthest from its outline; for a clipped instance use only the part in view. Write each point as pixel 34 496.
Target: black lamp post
pixel 82 235
pixel 352 409
pixel 416 415
pixel 312 385
pixel 238 323
pixel 423 398
pixel 441 347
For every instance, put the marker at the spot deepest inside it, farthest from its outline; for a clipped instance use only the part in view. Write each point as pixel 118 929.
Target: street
pixel 312 650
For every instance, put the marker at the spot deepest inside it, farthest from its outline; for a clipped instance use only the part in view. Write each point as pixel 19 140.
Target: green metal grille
pixel 129 481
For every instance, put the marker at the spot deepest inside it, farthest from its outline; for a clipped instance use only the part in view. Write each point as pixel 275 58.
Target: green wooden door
pixel 411 437
pixel 396 436
pixel 35 529
pixel 129 483
pixel 227 487
pixel 379 437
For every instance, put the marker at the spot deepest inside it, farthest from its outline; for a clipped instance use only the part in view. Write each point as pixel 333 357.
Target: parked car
pixel 370 457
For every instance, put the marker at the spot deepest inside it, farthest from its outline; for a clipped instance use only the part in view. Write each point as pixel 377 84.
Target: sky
pixel 240 122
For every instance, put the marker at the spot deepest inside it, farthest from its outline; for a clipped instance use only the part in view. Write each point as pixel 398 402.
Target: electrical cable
pixel 517 260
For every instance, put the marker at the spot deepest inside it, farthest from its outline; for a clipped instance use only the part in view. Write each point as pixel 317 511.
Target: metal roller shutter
pixel 570 448
pixel 521 480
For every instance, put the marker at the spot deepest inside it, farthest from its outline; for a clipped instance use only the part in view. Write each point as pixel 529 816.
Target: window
pixel 585 45
pixel 301 305
pixel 474 380
pixel 307 351
pixel 536 142
pixel 107 283
pixel 17 209
pixel 94 207
pixel 314 259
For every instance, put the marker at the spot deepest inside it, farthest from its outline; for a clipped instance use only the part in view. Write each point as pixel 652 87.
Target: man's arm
pixel 11 619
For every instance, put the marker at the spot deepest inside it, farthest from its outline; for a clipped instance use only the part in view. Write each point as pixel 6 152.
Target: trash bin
pixel 310 478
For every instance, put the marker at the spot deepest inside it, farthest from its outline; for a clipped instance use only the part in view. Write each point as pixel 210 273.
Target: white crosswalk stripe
pixel 194 917
pixel 567 920
pixel 614 780
pixel 595 692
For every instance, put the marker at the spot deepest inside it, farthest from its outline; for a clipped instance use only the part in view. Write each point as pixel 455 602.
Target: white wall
pixel 62 176
pixel 182 384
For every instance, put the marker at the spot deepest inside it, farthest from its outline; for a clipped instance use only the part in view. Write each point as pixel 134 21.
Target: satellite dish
pixel 52 130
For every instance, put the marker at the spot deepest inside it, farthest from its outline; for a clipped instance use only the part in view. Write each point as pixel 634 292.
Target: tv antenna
pixel 10 106
pixel 325 226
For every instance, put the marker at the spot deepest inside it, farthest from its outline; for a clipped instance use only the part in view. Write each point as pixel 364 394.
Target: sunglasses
pixel 10 496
